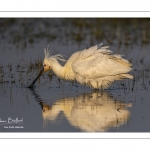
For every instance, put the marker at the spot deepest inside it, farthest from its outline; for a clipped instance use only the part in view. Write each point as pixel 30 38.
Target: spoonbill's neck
pixel 64 72
pixel 58 68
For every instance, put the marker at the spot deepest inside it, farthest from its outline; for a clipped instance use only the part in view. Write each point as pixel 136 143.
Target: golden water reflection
pixel 89 112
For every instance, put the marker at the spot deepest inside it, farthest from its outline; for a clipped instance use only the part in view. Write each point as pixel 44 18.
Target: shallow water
pixel 61 106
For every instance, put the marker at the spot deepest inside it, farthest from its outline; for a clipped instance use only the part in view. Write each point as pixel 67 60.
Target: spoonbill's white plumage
pixel 96 66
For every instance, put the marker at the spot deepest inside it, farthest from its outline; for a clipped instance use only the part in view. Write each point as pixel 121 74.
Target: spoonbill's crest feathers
pixel 48 55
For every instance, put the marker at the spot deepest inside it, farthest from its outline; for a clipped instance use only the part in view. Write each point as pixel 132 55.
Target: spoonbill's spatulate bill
pixel 41 72
pixel 96 67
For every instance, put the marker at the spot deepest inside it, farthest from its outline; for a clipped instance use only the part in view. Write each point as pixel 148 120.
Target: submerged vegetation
pixel 24 73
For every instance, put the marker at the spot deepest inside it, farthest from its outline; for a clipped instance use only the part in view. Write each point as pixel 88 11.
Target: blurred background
pixel 23 32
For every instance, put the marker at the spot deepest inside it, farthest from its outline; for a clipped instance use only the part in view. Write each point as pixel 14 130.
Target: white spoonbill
pixel 96 67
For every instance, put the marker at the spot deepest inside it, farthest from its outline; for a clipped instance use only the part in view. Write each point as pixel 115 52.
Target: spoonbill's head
pixel 46 65
pixel 51 60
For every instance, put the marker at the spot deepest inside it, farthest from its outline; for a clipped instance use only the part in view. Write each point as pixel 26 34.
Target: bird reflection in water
pixel 91 112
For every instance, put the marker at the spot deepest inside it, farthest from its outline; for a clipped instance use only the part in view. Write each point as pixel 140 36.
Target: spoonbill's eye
pixel 44 65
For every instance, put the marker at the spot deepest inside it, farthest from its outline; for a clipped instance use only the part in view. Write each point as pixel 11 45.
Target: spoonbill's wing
pixel 97 62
